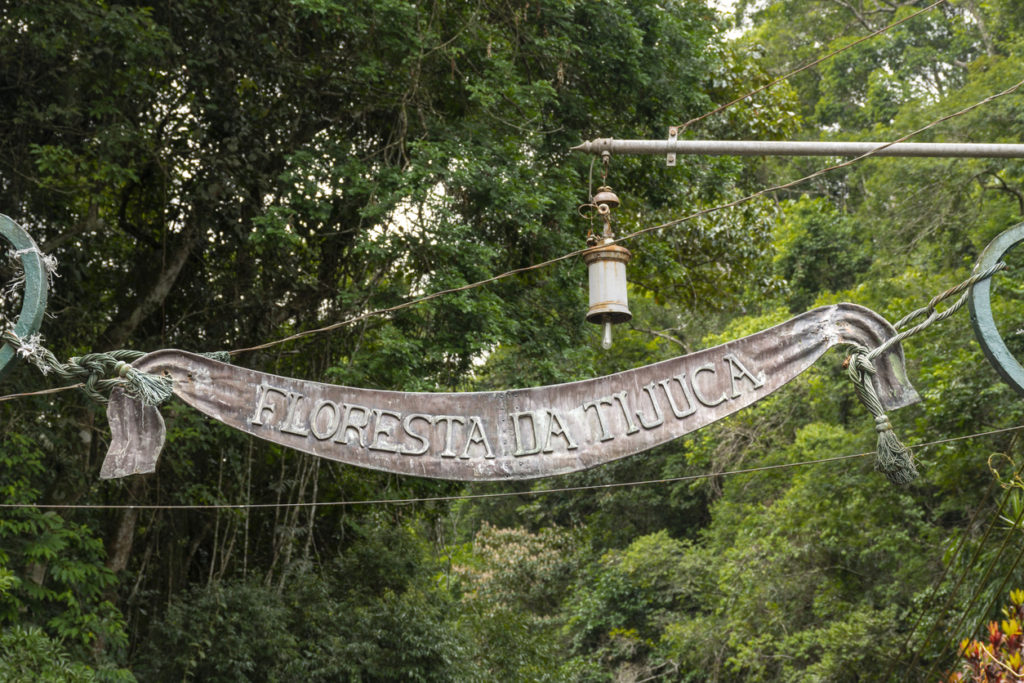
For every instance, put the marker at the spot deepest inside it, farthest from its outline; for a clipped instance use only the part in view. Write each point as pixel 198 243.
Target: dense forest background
pixel 212 175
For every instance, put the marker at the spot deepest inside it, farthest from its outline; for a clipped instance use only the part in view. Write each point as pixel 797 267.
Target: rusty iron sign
pixel 504 435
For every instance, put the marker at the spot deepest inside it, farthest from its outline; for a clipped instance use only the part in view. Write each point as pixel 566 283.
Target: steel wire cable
pixel 497 494
pixel 961 575
pixel 632 235
pixel 811 64
pixel 41 392
pixel 697 214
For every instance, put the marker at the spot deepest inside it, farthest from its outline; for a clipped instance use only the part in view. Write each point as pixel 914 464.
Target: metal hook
pixel 980 302
pixel 33 299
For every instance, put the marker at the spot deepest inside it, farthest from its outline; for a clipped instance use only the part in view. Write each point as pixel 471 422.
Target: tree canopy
pixel 215 175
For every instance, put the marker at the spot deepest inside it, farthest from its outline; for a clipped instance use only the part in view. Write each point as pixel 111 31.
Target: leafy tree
pixel 56 615
pixel 214 175
pixel 1000 658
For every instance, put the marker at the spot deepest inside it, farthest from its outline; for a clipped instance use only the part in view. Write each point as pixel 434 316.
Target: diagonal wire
pixel 984 615
pixel 384 311
pixel 42 392
pixel 937 584
pixel 997 597
pixel 960 578
pixel 498 494
pixel 976 594
pixel 810 65
pixel 662 226
pixel 998 593
pixel 633 235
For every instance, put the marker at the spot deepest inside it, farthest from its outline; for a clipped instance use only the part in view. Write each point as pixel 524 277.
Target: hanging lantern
pixel 606 268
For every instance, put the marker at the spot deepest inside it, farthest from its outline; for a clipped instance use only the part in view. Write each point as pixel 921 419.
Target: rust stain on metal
pixel 516 434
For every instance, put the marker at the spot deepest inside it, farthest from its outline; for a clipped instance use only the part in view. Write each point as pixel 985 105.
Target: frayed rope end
pixel 892 458
pixel 152 390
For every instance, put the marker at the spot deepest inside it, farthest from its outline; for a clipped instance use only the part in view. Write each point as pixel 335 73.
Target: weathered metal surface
pixel 673 135
pixel 758 148
pixel 516 434
pixel 33 298
pixel 134 428
pixel 980 302
pixel 606 275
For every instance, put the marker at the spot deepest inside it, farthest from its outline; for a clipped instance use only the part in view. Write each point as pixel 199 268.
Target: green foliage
pixel 54 587
pixel 818 248
pixel 214 175
pixel 28 655
pixel 620 607
pixel 371 615
pixel 221 633
pixel 512 584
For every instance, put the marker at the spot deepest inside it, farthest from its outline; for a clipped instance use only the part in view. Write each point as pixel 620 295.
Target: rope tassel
pixel 892 458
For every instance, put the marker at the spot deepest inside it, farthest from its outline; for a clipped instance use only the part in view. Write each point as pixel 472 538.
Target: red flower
pixel 995 636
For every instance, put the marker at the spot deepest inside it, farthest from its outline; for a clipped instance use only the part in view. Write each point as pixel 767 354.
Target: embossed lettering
pixel 262 404
pixel 659 418
pixel 631 427
pixel 557 428
pixel 696 388
pixel 517 430
pixel 347 423
pixel 738 372
pixel 449 439
pixel 596 405
pixel 407 426
pixel 292 421
pixel 476 428
pixel 691 407
pixel 332 421
pixel 382 430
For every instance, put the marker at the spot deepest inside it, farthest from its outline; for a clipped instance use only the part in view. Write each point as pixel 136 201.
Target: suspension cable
pixel 632 235
pixel 497 494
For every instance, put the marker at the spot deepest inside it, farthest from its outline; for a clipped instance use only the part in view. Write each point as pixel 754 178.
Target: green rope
pixel 934 316
pixel 99 373
pixel 892 458
pixel 221 356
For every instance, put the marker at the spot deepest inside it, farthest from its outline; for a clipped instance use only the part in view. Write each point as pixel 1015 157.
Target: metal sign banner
pixel 504 435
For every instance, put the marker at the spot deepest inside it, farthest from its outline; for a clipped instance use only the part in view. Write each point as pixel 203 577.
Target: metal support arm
pixel 812 148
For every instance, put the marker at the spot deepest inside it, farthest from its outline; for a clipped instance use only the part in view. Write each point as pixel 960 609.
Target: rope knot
pixel 98 372
pixel 892 458
pixel 858 364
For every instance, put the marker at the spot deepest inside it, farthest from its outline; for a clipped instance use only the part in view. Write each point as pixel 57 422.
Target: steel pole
pixel 750 148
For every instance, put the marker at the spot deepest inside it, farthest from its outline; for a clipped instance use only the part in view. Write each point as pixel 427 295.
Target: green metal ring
pixel 33 300
pixel 980 302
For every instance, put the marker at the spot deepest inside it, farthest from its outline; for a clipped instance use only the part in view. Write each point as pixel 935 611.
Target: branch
pixel 118 333
pixel 661 335
pixel 861 19
pixel 1004 187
